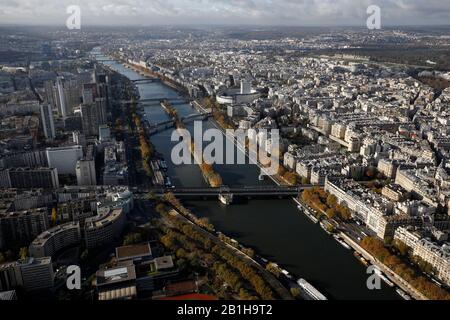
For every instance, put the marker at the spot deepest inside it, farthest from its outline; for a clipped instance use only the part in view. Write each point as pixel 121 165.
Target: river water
pixel 274 228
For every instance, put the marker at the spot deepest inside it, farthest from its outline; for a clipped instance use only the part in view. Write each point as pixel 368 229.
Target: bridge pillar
pixel 261 176
pixel 226 198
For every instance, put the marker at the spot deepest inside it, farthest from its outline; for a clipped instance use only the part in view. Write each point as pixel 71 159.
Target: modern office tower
pixel 36 274
pixel 104 133
pixel 73 94
pixel 89 119
pixel 86 175
pixel 88 96
pixel 64 158
pixel 101 104
pixel 85 171
pixel 79 138
pixel 29 159
pixel 26 178
pixel 8 276
pixel 22 226
pixel 50 93
pixel 89 93
pixel 48 122
pixel 63 109
pixel 55 239
pixel 69 96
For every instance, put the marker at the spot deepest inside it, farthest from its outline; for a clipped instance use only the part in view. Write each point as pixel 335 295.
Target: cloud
pixel 292 12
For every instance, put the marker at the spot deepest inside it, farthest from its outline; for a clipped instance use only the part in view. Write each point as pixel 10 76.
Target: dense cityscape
pixel 95 207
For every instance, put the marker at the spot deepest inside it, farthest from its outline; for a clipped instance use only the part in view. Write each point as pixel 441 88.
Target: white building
pixel 48 123
pixel 85 171
pixel 104 133
pixel 55 239
pixel 62 100
pixel 436 256
pixel 64 158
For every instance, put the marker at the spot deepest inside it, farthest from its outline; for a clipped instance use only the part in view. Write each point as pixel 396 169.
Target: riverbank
pixel 243 262
pixel 279 180
pixel 391 275
pixel 274 229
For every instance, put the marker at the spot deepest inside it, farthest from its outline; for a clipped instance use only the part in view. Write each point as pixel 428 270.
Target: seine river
pixel 275 229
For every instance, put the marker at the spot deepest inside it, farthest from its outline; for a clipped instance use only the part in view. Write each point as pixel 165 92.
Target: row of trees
pixel 289 176
pixel 405 252
pixel 202 222
pixel 192 251
pixel 219 116
pixel 377 248
pixel 146 148
pixel 247 272
pixel 325 203
pixel 212 177
pixel 192 240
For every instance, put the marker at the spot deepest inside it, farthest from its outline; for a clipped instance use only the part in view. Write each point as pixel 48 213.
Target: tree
pixel 54 216
pixel 161 208
pixel 23 253
pixel 132 238
pixel 331 213
pixel 2 258
pixel 296 293
pixel 331 201
pixel 402 248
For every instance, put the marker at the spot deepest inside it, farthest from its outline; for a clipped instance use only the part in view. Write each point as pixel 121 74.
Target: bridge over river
pixel 156 102
pixel 153 128
pixel 248 191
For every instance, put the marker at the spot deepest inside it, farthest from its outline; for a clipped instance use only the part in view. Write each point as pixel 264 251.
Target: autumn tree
pixel 23 253
pixel 54 217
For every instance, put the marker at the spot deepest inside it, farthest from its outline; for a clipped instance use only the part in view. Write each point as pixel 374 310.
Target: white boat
pixel 309 215
pixel 342 243
pixel 403 294
pixel 286 273
pixel 383 277
pixel 387 281
pixel 310 291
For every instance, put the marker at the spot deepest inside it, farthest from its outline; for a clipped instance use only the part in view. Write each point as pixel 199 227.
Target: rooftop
pixel 133 251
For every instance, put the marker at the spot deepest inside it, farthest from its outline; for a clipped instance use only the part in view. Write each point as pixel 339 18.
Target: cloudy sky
pixel 265 12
